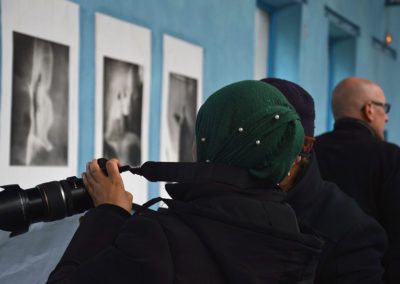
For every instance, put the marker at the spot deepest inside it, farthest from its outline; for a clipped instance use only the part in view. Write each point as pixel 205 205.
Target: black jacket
pixel 354 242
pixel 213 232
pixel 367 169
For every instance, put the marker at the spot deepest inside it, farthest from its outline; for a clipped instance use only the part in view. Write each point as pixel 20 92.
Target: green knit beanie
pixel 250 124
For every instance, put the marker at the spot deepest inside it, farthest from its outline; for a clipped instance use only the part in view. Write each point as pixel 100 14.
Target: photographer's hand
pixel 106 189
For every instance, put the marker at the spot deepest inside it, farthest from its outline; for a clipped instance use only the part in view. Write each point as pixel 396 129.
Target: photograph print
pixel 39 110
pixel 122 111
pixel 181 116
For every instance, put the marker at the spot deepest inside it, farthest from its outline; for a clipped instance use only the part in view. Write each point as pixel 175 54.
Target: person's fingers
pixel 95 169
pixel 94 173
pixel 86 183
pixel 112 169
pixel 92 180
pixel 89 168
pixel 129 195
pixel 116 161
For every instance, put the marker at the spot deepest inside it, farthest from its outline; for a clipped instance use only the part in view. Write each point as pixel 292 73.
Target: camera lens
pixel 46 202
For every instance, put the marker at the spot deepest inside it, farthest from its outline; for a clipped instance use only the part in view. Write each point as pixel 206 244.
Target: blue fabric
pixel 29 258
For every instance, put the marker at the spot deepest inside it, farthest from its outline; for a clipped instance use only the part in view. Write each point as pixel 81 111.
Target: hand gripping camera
pixel 56 200
pixel 47 202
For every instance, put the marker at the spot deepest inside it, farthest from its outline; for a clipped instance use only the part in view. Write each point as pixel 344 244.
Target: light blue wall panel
pixel 370 63
pixel 224 28
pixel 341 65
pixel 313 59
pixel 285 23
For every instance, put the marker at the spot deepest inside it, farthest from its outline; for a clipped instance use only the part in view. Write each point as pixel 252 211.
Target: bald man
pixel 356 157
pixel 363 100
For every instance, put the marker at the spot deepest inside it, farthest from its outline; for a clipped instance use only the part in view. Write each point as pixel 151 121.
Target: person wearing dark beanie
pixel 304 105
pixel 354 242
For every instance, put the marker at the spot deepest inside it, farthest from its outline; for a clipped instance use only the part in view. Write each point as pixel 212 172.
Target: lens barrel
pixel 46 202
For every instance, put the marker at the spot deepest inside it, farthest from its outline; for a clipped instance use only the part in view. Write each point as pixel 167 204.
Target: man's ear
pixel 368 112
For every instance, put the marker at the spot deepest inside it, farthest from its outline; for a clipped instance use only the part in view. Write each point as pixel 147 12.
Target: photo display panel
pixel 123 61
pixel 39 103
pixel 39 118
pixel 182 95
pixel 122 110
pixel 181 113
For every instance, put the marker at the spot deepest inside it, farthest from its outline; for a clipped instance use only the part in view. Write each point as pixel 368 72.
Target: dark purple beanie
pixel 304 105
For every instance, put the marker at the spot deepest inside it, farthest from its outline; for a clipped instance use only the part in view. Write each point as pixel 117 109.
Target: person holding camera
pixel 227 221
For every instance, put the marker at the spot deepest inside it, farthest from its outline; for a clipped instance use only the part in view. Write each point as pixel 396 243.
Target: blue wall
pixel 284 55
pixel 341 65
pixel 370 63
pixel 225 29
pixel 300 51
pixel 221 27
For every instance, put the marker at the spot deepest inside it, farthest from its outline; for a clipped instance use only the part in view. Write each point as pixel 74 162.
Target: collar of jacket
pixel 353 124
pixel 210 180
pixel 307 184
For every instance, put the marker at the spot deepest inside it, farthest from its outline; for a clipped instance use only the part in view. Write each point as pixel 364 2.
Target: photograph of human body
pixel 122 107
pixel 123 68
pixel 39 118
pixel 181 116
pixel 181 97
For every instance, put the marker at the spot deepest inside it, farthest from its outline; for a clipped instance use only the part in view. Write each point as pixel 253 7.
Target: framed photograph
pixel 122 111
pixel 39 102
pixel 123 52
pixel 181 117
pixel 39 118
pixel 181 99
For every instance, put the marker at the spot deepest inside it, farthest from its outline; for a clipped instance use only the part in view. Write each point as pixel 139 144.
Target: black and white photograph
pixel 182 105
pixel 39 91
pixel 39 108
pixel 122 106
pixel 123 68
pixel 182 95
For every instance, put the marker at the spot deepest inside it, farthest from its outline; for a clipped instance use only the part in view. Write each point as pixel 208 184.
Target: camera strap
pixel 198 172
pixel 145 206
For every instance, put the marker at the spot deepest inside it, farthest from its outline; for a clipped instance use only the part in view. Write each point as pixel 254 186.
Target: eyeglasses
pixel 386 106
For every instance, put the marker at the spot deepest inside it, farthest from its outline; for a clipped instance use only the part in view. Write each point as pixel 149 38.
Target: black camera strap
pixel 198 172
pixel 145 207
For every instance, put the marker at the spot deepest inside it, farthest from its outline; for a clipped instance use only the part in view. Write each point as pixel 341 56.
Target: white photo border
pixel 185 59
pixel 58 22
pixel 131 43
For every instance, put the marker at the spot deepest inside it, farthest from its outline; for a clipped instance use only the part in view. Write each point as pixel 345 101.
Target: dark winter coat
pixel 354 242
pixel 213 232
pixel 367 169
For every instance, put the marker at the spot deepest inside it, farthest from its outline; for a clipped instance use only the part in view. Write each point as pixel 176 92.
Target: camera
pixel 56 200
pixel 47 202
